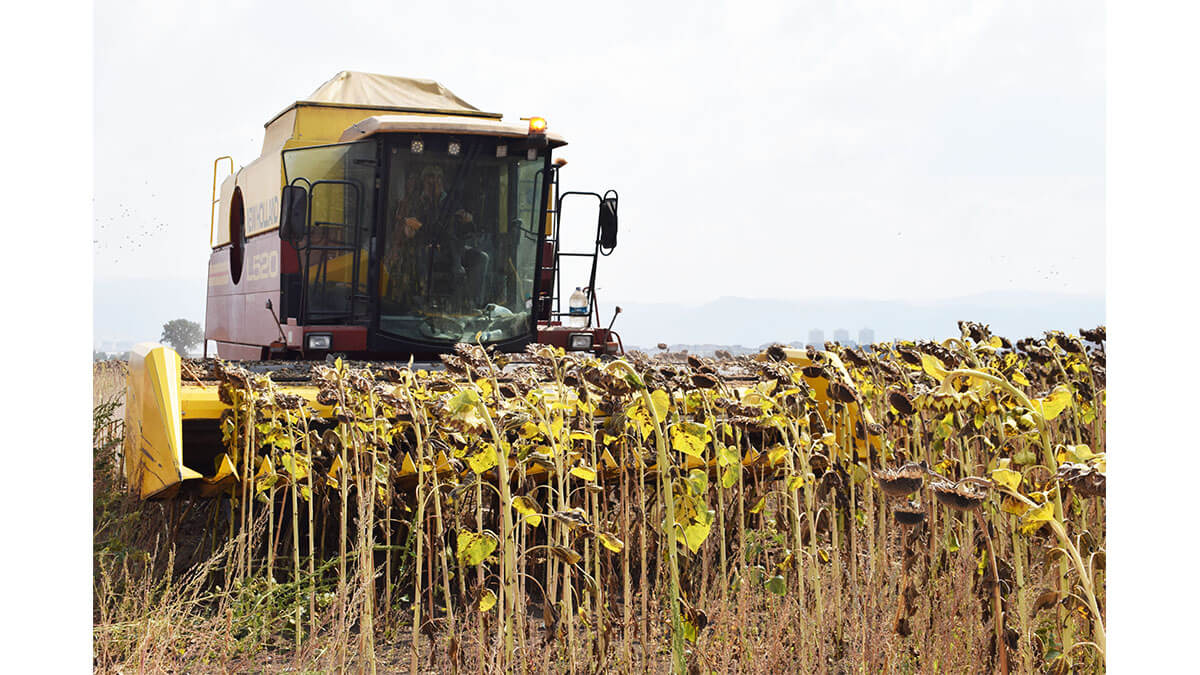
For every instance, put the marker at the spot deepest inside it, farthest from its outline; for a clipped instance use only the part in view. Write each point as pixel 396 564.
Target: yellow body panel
pixel 820 390
pixel 157 403
pixel 201 401
pixel 153 426
pixel 223 481
pixel 320 124
pixel 260 181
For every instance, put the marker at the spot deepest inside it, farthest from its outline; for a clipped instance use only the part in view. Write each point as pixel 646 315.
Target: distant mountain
pixel 751 322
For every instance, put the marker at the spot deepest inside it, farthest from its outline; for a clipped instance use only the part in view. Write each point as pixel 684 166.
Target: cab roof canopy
pixel 352 89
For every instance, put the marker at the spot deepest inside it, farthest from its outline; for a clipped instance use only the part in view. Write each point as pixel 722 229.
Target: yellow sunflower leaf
pixel 335 472
pixel 758 506
pixel 729 475
pixel 689 630
pixel 265 467
pixel 483 460
pixel 685 439
pixel 695 533
pixel 463 403
pixel 662 403
pixel 776 454
pixel 1007 477
pixel 611 542
pixel 565 554
pixel 473 548
pixel 485 386
pixel 584 472
pixel 726 455
pixel 1054 403
pixel 1035 516
pixel 487 601
pixel 528 508
pixel 1082 452
pixel 933 367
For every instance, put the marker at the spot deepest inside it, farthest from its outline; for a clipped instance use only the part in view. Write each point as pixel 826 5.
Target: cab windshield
pixel 458 245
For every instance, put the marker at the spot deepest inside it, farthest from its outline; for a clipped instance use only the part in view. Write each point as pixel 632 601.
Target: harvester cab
pixel 388 218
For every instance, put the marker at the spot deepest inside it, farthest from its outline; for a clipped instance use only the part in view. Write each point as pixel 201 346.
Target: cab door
pixel 334 249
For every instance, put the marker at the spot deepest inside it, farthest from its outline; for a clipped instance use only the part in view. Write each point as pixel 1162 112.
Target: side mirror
pixel 293 217
pixel 608 223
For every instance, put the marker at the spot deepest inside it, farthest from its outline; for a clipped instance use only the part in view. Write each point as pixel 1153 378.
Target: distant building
pixel 866 336
pixel 816 338
pixel 841 336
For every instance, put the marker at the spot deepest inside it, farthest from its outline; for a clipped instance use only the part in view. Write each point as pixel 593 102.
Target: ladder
pixel 594 254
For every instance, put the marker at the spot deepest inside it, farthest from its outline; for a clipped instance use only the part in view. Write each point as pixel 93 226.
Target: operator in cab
pixel 433 262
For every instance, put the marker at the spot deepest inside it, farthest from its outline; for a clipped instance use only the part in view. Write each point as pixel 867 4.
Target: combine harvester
pixel 385 220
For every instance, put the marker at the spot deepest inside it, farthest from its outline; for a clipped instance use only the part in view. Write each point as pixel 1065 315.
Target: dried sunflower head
pixel 818 462
pixel 960 496
pixel 908 355
pixel 1086 480
pixel 327 397
pixel 288 401
pixel 890 370
pixel 815 424
pixel 908 514
pixel 331 443
pixel 977 332
pixel 901 402
pixel 901 480
pixel 852 357
pixel 473 355
pixel 454 364
pixel 831 481
pixel 840 392
pixel 1070 345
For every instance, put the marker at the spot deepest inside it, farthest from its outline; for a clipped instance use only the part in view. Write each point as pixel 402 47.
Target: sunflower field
pixel 899 507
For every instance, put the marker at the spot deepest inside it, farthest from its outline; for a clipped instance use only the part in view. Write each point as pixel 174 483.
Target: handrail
pixel 212 216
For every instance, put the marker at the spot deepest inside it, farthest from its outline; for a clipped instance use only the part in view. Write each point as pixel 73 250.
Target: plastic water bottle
pixel 578 309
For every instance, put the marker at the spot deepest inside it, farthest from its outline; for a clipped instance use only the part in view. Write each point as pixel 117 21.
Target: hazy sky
pixel 913 150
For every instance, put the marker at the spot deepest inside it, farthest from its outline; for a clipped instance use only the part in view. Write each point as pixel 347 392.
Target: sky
pixel 888 151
